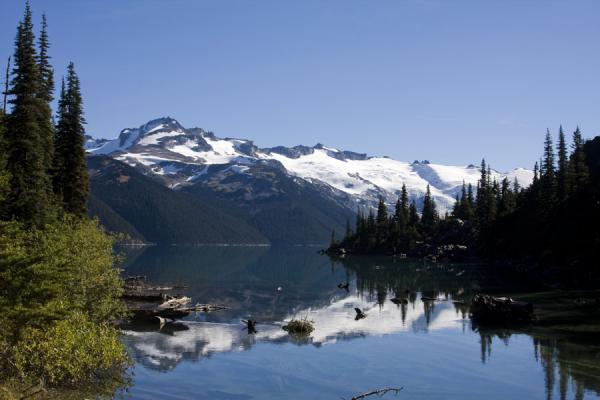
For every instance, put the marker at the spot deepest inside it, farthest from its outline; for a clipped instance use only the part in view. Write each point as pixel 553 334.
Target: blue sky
pixel 450 81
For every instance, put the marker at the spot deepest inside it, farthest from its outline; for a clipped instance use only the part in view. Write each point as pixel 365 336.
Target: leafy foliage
pixel 72 348
pixel 50 273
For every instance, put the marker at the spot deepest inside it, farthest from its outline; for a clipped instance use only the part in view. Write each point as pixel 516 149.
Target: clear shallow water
pixel 429 348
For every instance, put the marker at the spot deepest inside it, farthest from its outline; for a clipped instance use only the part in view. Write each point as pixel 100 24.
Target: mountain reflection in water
pixel 246 280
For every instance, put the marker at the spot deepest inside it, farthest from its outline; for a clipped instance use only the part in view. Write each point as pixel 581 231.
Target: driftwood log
pixel 170 310
pixel 137 288
pixel 142 297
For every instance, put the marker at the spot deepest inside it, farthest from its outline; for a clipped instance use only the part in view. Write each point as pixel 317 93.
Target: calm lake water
pixel 431 349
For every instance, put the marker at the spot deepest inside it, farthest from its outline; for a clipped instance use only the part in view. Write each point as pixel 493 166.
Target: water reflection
pixel 397 296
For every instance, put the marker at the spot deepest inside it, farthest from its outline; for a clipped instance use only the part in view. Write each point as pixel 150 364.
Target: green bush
pixel 69 352
pixel 47 274
pixel 59 290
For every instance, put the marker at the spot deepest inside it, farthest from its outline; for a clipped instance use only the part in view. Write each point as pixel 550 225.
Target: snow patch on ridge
pixel 164 147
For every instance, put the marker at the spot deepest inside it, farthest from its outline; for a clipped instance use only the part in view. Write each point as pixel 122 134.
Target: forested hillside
pixel 127 201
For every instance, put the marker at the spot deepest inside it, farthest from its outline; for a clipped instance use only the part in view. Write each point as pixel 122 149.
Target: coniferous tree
pixel 59 151
pixel 45 94
pixel 3 173
pixel 43 60
pixel 29 198
pixel 562 174
pixel 548 173
pixel 483 194
pixel 398 213
pixel 516 186
pixel 507 201
pixel 456 208
pixel 382 216
pixel 5 91
pixel 577 165
pixel 71 179
pixel 413 215
pixel 404 201
pixel 429 215
pixel 470 196
pixel 494 200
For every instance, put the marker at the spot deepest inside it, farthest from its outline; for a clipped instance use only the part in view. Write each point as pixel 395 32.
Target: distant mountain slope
pixel 189 180
pixel 126 200
pixel 110 220
pixel 179 157
pixel 284 208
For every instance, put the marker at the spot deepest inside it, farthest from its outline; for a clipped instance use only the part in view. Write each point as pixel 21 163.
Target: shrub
pixel 72 351
pixel 299 327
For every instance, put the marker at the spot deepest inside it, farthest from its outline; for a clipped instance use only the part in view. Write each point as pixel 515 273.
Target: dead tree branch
pixel 378 392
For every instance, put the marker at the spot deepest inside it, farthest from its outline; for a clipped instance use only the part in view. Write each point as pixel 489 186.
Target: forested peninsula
pixel 551 226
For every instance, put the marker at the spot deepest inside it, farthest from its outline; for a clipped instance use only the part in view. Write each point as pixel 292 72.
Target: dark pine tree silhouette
pixel 28 124
pixel 562 173
pixel 429 214
pixel 577 164
pixel 71 179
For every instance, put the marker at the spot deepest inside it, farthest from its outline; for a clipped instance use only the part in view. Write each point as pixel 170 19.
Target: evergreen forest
pixel 551 225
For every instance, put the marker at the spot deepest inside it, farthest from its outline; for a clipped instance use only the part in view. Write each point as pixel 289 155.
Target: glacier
pixel 177 156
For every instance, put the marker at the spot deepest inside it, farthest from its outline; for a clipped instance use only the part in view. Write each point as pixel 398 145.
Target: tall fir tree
pixel 577 165
pixel 548 173
pixel 483 193
pixel 71 179
pixel 3 173
pixel 507 202
pixel 404 201
pixel 413 215
pixel 27 157
pixel 429 215
pixel 382 215
pixel 43 60
pixel 562 173
pixel 5 88
pixel 46 93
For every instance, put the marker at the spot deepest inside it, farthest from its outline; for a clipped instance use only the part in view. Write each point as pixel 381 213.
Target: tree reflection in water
pixel 389 292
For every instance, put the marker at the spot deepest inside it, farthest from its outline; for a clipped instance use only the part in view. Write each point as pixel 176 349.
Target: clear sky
pixel 446 80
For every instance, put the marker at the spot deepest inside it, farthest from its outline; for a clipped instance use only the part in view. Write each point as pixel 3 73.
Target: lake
pixel 429 348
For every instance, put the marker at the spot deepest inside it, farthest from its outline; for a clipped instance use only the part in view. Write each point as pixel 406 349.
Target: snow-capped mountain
pixel 182 157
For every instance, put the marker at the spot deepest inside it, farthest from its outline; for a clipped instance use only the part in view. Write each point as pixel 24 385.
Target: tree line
pixel 59 289
pixel 44 161
pixel 498 219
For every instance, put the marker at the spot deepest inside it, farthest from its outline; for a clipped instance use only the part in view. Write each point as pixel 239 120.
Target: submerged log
pixel 150 315
pixel 145 296
pixel 500 310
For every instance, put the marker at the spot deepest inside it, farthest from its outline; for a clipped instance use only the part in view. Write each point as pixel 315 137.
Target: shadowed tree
pixel 28 157
pixel 71 179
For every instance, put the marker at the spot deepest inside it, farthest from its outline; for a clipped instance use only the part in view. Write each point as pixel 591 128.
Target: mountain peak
pixel 161 124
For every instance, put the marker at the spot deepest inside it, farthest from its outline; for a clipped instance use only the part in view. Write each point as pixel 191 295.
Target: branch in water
pixel 378 392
